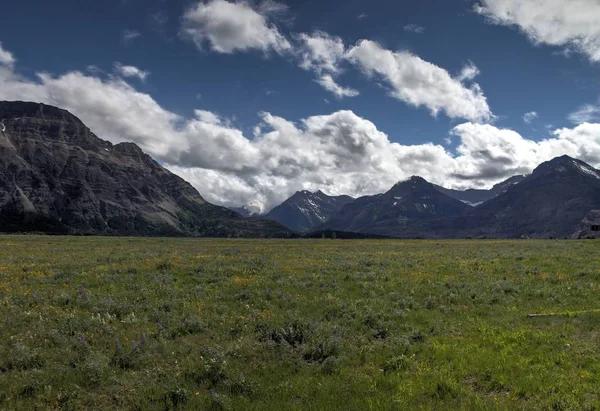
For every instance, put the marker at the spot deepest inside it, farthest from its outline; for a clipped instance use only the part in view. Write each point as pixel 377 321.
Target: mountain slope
pixel 56 176
pixel 305 211
pixel 475 197
pixel 390 213
pixel 552 202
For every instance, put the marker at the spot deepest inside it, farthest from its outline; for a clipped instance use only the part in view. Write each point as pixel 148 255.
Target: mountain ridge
pixel 56 176
pixel 411 200
pixel 305 210
pixel 552 202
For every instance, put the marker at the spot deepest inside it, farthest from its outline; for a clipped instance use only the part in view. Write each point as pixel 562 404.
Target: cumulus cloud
pixel 339 153
pixel 236 26
pixel 321 52
pixel 412 79
pixel 342 153
pixel 487 153
pixel 571 24
pixel 324 54
pixel 329 84
pixel 420 83
pixel 414 28
pixel 131 71
pixel 6 58
pixel 229 26
pixel 530 117
pixel 587 113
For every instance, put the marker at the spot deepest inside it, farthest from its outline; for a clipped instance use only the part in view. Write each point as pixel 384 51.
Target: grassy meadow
pixel 164 324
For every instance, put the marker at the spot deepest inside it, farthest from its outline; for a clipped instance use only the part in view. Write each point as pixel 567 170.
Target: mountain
pixel 556 201
pixel 305 211
pixel 475 197
pixel 56 176
pixel 391 213
pixel 552 202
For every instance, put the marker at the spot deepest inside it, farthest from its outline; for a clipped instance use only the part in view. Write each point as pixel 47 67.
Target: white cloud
pixel 131 71
pixel 587 113
pixel 128 36
pixel 414 28
pixel 420 83
pixel 530 117
pixel 339 153
pixel 487 153
pixel 321 52
pixel 362 16
pixel 6 58
pixel 571 24
pixel 208 117
pixel 234 26
pixel 324 54
pixel 468 72
pixel 329 84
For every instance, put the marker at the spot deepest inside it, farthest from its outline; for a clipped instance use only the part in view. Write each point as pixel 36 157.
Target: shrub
pixel 21 358
pixel 321 351
pixel 176 398
pixel 398 363
pixel 95 369
pixel 293 332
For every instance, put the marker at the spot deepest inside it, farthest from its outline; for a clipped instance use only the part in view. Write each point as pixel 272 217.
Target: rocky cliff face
pixel 56 176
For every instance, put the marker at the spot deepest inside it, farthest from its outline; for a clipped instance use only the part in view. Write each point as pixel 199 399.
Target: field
pixel 158 324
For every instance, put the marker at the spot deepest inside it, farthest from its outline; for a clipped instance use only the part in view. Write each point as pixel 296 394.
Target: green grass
pixel 143 324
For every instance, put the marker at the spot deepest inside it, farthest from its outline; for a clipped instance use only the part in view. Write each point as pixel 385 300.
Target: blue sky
pixel 236 60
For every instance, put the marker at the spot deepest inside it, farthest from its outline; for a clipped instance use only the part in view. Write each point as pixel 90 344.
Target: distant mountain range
pixel 557 200
pixel 305 211
pixel 407 202
pixel 551 202
pixel 57 177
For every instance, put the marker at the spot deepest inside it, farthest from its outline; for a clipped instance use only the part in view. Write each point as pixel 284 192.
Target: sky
pixel 251 101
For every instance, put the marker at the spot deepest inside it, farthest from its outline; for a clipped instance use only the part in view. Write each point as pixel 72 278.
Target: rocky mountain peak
pixel 56 176
pixel 413 184
pixel 565 167
pixel 32 120
pixel 306 210
pixel 15 110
